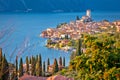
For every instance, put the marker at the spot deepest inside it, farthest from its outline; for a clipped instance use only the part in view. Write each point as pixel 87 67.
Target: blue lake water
pixel 25 40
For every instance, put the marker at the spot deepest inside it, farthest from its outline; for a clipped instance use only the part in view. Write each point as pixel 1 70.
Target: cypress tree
pixel 77 18
pixel 0 55
pixel 27 65
pixel 40 61
pixel 16 67
pixel 0 63
pixel 33 66
pixel 36 58
pixel 64 61
pixel 38 68
pixel 44 68
pixel 55 66
pixel 30 60
pixel 5 69
pixel 16 64
pixel 78 50
pixel 21 68
pixel 60 61
pixel 48 63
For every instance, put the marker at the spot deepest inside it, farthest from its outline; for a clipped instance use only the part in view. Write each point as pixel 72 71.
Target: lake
pixel 24 40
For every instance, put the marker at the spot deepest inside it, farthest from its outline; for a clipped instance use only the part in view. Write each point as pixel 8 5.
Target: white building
pixel 87 18
pixel 88 13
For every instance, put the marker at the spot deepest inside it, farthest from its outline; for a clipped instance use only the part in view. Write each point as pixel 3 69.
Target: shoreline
pixel 55 48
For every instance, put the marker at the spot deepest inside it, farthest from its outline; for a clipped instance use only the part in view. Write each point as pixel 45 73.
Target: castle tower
pixel 88 13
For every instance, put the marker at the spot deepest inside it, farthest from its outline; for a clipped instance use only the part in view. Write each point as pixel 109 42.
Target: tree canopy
pixel 101 59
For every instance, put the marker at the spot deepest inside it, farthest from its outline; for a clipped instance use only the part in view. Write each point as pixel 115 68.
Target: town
pixel 61 36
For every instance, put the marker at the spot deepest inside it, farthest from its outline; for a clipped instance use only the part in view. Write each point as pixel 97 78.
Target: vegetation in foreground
pixel 4 67
pixel 33 66
pixel 100 59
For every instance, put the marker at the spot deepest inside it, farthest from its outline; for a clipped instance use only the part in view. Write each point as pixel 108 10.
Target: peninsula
pixel 64 36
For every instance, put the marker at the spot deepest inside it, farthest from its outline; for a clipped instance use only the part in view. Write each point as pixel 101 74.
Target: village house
pixel 50 68
pixel 25 68
pixel 44 34
pixel 118 28
pixel 117 23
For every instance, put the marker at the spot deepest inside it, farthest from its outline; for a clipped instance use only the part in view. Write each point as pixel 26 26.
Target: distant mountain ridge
pixel 59 5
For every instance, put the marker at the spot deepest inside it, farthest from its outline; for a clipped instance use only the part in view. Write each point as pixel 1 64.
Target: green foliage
pixel 55 66
pixel 16 64
pixel 101 59
pixel 73 55
pixel 40 61
pixel 112 74
pixel 44 68
pixel 38 69
pixel 4 69
pixel 79 45
pixel 16 67
pixel 48 63
pixel 0 63
pixel 60 61
pixel 77 18
pixel 61 24
pixel 68 73
pixel 33 62
pixel 36 59
pixel 64 61
pixel 63 72
pixel 27 65
pixel 70 43
pixel 21 68
pixel 30 60
pixel 49 42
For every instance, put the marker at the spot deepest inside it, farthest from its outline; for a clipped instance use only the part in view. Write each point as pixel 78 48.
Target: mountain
pixel 59 5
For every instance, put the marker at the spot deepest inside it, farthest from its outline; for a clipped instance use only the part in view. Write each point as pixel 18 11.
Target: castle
pixel 87 18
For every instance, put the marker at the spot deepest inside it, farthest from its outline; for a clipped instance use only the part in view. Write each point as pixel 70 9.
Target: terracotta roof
pixel 59 77
pixel 56 77
pixel 28 77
